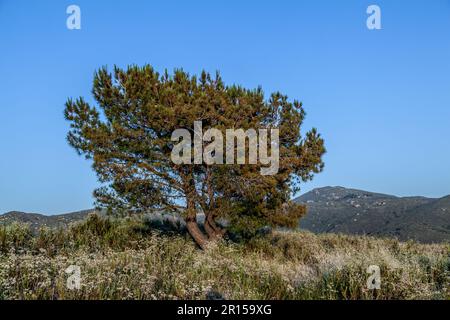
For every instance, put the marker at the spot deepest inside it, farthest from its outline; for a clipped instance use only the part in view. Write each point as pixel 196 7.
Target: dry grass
pixel 122 259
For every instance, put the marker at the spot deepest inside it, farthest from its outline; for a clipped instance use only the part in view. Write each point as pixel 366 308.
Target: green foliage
pixel 14 236
pixel 128 137
pixel 94 234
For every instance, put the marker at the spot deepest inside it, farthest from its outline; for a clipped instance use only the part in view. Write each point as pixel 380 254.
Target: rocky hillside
pixel 349 211
pixel 36 221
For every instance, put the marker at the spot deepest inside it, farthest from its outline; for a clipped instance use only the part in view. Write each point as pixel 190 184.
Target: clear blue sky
pixel 380 98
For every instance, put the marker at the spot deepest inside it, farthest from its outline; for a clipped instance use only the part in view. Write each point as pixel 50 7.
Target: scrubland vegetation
pixel 127 259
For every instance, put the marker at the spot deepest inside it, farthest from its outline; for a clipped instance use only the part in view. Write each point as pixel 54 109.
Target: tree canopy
pixel 129 135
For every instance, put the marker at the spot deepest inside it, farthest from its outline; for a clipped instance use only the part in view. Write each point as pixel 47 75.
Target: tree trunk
pixel 212 234
pixel 213 230
pixel 192 225
pixel 191 211
pixel 200 239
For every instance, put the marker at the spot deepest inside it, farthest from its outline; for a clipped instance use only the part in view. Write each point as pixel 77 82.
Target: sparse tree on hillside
pixel 129 138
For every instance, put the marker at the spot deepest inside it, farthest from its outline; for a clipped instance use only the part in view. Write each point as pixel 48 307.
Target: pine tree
pixel 128 136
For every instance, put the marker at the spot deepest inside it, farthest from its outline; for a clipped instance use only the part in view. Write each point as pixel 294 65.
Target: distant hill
pixel 350 211
pixel 36 221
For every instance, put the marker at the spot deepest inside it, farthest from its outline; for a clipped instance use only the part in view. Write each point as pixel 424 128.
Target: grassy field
pixel 125 259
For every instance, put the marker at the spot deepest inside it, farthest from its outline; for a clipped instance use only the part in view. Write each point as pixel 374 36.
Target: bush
pixel 127 259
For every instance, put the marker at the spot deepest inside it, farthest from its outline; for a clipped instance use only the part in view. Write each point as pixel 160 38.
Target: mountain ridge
pixel 353 211
pixel 38 220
